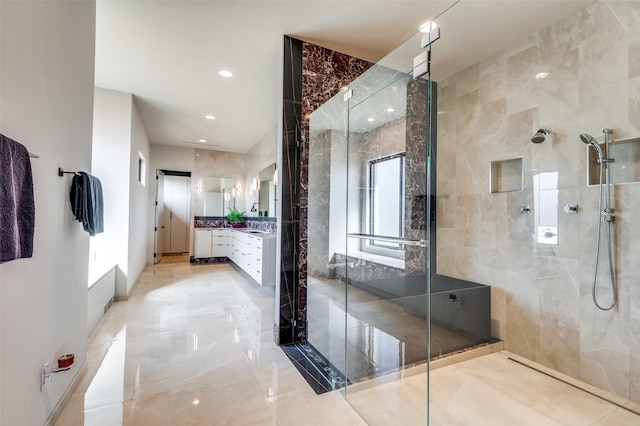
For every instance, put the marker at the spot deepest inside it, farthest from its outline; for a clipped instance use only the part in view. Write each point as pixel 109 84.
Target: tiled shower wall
pixel 541 294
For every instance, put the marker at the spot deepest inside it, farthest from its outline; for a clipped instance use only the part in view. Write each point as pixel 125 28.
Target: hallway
pixel 193 346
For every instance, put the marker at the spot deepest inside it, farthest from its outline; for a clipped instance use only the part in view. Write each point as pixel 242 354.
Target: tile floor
pixel 193 346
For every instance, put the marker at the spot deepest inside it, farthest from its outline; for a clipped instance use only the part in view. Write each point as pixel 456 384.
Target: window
pixel 142 168
pixel 385 204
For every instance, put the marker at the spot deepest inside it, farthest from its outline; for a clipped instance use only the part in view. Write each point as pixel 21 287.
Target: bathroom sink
pixel 254 231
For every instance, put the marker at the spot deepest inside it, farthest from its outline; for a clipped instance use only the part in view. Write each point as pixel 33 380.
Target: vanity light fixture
pixel 275 177
pixel 225 73
pixel 256 184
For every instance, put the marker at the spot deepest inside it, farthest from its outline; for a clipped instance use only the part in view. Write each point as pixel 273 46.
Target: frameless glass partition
pixel 326 291
pixel 368 252
pixel 387 251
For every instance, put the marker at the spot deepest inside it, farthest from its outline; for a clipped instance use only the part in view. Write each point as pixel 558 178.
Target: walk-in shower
pixel 608 215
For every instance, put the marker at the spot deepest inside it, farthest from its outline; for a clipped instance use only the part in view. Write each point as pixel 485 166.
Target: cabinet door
pixel 202 245
pixel 257 260
pixel 219 243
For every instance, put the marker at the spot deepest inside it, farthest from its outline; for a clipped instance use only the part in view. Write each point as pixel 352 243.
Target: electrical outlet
pixel 45 380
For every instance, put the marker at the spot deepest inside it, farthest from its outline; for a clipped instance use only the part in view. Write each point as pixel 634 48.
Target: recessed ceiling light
pixel 390 109
pixel 225 73
pixel 209 117
pixel 202 140
pixel 428 26
pixel 370 119
pixel 541 75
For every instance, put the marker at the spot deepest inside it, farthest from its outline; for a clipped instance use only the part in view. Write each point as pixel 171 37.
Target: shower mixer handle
pixel 609 215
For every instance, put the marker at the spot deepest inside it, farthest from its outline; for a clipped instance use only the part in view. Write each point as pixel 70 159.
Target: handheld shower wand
pixel 608 215
pixel 589 140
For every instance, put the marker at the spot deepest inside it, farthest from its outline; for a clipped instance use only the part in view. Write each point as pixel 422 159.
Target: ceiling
pixel 168 53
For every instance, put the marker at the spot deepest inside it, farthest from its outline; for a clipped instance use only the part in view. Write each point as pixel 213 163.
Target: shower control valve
pixel 609 215
pixel 571 208
pixel 524 209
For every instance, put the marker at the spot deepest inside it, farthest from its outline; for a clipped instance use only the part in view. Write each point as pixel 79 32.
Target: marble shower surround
pixel 312 76
pixel 541 295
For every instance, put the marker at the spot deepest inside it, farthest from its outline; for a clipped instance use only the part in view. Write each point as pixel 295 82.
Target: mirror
pixel 219 196
pixel 267 193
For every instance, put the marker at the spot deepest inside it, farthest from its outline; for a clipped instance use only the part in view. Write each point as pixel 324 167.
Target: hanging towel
pixel 17 206
pixel 86 202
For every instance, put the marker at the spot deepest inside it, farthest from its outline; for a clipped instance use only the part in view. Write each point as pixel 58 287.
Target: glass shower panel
pixel 387 324
pixel 326 291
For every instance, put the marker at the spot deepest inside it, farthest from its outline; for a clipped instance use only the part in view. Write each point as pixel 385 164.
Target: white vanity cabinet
pixel 242 250
pixel 221 242
pixel 214 242
pixel 256 254
pixel 202 244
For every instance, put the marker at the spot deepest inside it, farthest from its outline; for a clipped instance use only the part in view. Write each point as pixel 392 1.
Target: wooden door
pixel 177 201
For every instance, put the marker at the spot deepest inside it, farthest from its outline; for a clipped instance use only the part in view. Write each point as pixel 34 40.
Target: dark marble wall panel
pixel 416 175
pixel 312 75
pixel 286 290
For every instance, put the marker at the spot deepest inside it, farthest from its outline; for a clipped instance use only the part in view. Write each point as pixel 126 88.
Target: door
pixel 159 216
pixel 176 214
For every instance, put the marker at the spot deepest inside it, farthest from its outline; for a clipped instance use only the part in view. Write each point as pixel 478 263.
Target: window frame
pixel 395 250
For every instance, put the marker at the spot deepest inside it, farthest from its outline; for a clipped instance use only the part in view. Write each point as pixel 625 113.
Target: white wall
pixel 46 94
pixel 138 200
pixel 169 158
pixel 111 159
pixel 118 137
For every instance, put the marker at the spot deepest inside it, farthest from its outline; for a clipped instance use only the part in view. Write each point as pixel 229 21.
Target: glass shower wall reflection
pixel 386 266
pixel 326 292
pixel 367 289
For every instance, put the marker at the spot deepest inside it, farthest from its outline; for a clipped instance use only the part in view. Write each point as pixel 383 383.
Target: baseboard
pixel 57 411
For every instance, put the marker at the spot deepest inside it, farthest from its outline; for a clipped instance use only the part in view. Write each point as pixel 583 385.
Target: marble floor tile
pixel 193 345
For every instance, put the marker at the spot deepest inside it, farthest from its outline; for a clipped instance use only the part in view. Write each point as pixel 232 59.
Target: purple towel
pixel 17 207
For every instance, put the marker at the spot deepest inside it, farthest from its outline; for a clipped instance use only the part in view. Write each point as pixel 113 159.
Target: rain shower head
pixel 540 135
pixel 590 140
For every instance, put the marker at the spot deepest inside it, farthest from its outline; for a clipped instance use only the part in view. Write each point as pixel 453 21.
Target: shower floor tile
pixel 381 336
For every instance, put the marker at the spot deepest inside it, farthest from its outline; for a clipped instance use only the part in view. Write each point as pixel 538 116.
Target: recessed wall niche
pixel 626 166
pixel 505 175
